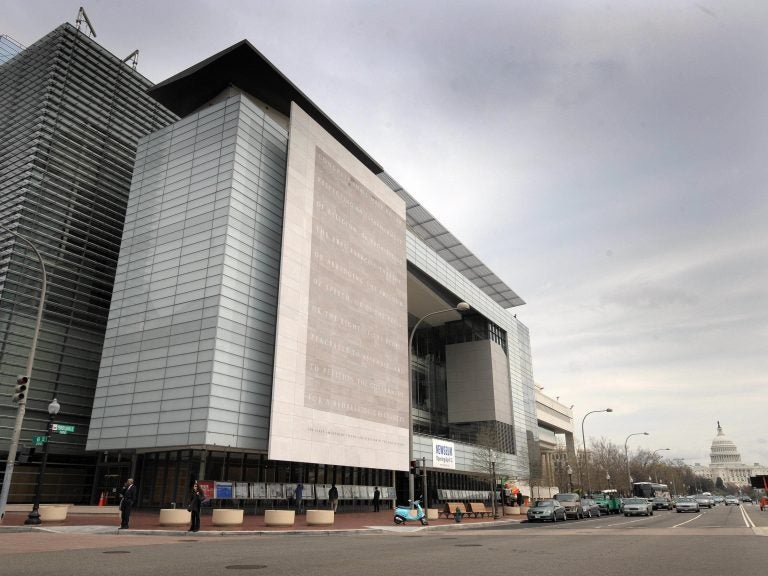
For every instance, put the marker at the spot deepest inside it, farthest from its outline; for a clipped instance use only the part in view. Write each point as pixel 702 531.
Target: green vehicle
pixel 609 501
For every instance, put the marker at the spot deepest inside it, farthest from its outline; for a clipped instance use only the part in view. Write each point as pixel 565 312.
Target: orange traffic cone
pixel 101 499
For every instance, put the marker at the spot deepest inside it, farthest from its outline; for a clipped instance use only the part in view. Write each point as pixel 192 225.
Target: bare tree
pixel 488 461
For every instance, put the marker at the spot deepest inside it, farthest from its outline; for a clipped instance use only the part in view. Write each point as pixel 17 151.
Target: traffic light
pixel 20 392
pixel 23 455
pixel 414 468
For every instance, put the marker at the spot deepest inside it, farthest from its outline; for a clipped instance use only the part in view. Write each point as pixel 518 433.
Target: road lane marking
pixel 686 522
pixel 747 519
pixel 628 522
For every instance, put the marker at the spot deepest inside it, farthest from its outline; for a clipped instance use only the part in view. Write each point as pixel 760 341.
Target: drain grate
pixel 246 567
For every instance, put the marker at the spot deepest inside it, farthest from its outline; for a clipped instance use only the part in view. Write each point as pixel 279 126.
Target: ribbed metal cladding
pixel 71 115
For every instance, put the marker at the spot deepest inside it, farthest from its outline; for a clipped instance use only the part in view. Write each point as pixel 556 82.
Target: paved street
pixel 716 542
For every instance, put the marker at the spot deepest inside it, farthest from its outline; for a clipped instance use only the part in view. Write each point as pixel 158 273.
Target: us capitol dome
pixel 725 462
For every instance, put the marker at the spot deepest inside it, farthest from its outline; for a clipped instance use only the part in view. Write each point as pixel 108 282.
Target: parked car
pixel 546 509
pixel 732 500
pixel 589 508
pixel 662 503
pixel 687 504
pixel 572 504
pixel 637 506
pixel 704 501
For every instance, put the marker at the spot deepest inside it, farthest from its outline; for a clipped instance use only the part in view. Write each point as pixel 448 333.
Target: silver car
pixel 637 506
pixel 687 505
pixel 705 501
pixel 590 508
pixel 546 509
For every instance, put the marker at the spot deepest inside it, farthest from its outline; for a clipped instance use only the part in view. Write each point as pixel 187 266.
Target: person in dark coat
pixel 298 495
pixel 195 503
pixel 376 498
pixel 333 497
pixel 127 501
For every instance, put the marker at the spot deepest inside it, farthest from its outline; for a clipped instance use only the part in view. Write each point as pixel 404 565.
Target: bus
pixel 649 490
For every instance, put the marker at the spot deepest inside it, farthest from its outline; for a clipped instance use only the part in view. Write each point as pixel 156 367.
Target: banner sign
pixel 223 490
pixel 443 454
pixel 206 486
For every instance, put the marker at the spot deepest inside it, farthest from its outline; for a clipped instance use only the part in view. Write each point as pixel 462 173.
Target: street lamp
pixel 34 516
pixel 626 456
pixel 584 442
pixel 460 307
pixel 608 479
pixel 654 453
pixel 14 445
pixel 493 502
pixel 569 471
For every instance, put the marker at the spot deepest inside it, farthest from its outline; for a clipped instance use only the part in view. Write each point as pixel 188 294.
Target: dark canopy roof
pixel 245 67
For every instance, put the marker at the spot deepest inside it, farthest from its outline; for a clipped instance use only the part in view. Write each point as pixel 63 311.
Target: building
pixel 725 463
pixel 270 275
pixel 558 451
pixel 8 48
pixel 71 115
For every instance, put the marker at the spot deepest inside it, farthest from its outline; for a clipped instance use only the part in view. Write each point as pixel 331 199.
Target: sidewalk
pixel 147 522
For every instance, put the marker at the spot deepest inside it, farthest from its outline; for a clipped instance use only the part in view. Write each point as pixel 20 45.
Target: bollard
pixel 457 515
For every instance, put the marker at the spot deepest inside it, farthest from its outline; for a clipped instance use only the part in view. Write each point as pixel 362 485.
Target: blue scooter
pixel 405 513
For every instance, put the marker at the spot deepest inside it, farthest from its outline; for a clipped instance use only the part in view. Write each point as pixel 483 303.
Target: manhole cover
pixel 246 567
pixel 116 552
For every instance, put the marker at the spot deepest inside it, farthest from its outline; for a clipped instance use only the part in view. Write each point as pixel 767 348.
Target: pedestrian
pixel 333 497
pixel 127 501
pixel 195 502
pixel 376 497
pixel 519 498
pixel 298 494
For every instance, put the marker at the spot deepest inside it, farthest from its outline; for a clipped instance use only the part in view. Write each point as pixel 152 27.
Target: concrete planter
pixel 227 517
pixel 511 510
pixel 53 512
pixel 524 510
pixel 320 517
pixel 433 513
pixel 279 517
pixel 175 517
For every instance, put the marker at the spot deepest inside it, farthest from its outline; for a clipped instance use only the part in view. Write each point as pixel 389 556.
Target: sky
pixel 606 159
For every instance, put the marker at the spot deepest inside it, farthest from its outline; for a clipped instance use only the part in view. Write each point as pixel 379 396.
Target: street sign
pixel 39 440
pixel 62 428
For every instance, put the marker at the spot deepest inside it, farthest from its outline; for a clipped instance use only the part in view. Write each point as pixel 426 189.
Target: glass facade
pixel 8 48
pixel 70 117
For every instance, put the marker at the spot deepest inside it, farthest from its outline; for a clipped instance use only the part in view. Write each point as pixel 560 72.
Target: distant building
pixel 726 464
pixel 555 423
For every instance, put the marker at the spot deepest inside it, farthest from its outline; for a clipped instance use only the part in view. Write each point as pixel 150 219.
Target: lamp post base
pixel 33 518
